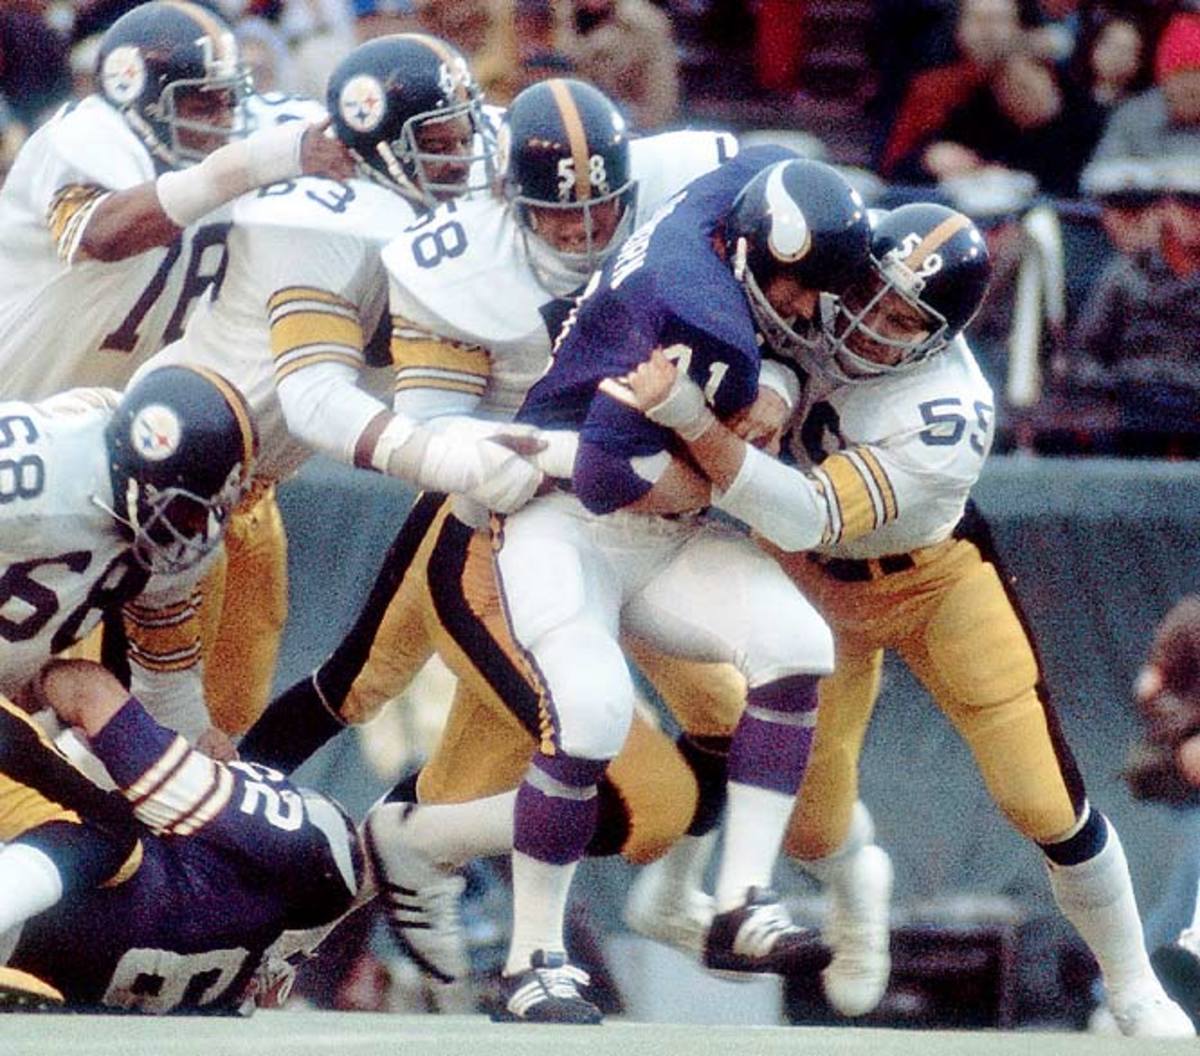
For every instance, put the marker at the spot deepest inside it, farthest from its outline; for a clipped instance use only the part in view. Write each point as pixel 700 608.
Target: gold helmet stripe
pixel 936 238
pixel 576 137
pixel 213 28
pixel 446 56
pixel 241 412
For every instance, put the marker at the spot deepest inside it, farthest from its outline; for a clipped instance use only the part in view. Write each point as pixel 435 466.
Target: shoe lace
pixel 763 927
pixel 562 982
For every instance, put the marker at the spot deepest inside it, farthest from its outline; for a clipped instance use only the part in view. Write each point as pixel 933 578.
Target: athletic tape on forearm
pixel 777 501
pixel 268 156
pixel 683 409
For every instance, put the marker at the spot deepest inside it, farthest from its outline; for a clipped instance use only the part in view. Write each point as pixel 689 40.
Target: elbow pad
pixel 779 502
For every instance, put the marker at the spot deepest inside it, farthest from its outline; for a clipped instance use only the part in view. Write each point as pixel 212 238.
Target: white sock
pixel 539 905
pixel 454 833
pixel 755 819
pixel 683 866
pixel 832 867
pixel 30 881
pixel 1097 897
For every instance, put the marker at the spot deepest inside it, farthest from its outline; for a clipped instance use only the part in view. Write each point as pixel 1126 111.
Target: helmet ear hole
pixel 181 446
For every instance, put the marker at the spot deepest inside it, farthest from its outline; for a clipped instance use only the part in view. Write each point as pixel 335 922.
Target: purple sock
pixel 772 740
pixel 556 808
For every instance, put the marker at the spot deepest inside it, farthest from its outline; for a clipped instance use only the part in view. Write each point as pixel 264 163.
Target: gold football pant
pixel 46 800
pixel 951 619
pixel 437 593
pixel 243 611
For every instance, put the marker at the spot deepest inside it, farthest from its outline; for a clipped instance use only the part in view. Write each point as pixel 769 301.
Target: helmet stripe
pixel 241 412
pixel 212 27
pixel 444 55
pixel 576 137
pixel 936 238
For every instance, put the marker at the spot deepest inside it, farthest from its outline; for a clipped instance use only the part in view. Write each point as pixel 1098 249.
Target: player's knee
pixel 591 688
pixel 784 647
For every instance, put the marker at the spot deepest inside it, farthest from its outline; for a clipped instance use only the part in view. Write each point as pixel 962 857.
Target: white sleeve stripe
pixel 181 795
pixel 211 808
pixel 430 373
pixel 311 307
pixel 832 507
pixel 318 348
pixel 871 485
pixel 153 777
pixel 68 245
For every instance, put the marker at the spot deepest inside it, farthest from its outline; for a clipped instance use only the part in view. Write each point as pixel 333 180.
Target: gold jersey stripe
pixel 887 493
pixel 287 295
pixel 154 616
pixel 298 330
pixel 576 137
pixel 300 362
pixel 441 384
pixel 437 354
pixel 859 514
pixel 157 773
pixel 70 209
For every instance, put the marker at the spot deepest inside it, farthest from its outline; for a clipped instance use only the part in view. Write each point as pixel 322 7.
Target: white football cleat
pixel 858 929
pixel 1142 1009
pixel 668 912
pixel 420 897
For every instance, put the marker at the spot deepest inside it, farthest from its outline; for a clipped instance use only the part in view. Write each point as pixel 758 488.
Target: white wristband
pixel 683 409
pixel 268 156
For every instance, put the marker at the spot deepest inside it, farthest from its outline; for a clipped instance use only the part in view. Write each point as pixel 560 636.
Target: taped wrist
pixel 557 459
pixel 268 156
pixel 683 409
pixel 779 502
pixel 437 461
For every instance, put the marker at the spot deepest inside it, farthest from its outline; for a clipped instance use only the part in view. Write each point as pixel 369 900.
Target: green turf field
pixel 361 1034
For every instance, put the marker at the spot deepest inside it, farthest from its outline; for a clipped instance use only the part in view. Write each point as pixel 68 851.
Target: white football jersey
pixel 66 320
pixel 470 313
pixel 303 255
pixel 63 559
pixel 898 454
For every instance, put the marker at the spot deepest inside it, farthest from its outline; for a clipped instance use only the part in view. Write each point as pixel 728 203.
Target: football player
pixel 103 207
pixel 873 524
pixel 478 291
pixel 477 299
pixel 109 501
pixel 304 295
pixel 111 217
pixel 194 886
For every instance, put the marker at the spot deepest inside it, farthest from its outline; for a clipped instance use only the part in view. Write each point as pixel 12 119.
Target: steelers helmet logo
pixel 361 103
pixel 155 432
pixel 123 74
pixel 789 237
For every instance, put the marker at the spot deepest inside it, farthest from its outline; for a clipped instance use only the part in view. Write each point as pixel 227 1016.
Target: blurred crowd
pixel 1070 129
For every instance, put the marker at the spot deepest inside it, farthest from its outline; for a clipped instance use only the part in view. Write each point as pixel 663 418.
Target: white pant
pixel 692 588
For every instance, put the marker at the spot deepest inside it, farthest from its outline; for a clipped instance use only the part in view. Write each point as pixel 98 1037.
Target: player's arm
pixel 163 635
pixel 59 832
pixel 113 225
pixel 788 506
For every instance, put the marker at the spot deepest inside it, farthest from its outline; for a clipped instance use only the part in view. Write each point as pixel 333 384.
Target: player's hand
pixel 322 154
pixel 524 444
pixel 762 423
pixel 216 745
pixel 648 384
pixel 509 483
